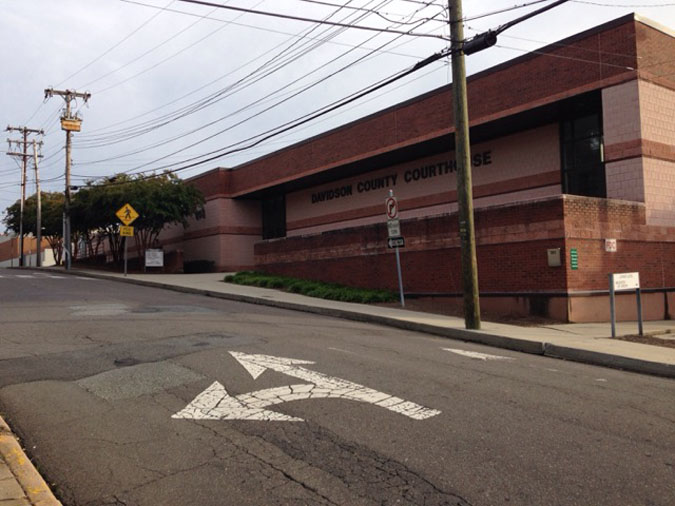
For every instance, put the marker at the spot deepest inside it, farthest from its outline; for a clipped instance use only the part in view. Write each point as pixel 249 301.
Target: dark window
pixel 274 217
pixel 583 167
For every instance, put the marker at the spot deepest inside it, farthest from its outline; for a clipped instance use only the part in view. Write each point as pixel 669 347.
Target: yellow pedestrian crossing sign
pixel 127 214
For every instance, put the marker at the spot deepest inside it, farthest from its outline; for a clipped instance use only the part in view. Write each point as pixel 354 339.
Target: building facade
pixel 573 156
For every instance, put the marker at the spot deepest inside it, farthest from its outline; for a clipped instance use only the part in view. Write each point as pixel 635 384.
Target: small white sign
pixel 626 281
pixel 154 258
pixel 554 257
pixel 394 228
pixel 610 245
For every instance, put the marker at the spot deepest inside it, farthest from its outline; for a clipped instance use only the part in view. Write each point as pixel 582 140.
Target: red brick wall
pixel 580 63
pixel 649 250
pixel 657 55
pixel 511 247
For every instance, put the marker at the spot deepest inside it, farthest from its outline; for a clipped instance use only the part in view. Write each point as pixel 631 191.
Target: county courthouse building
pixel 573 158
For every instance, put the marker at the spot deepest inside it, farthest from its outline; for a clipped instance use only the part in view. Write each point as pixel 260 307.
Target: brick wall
pixel 512 243
pixel 590 60
pixel 644 248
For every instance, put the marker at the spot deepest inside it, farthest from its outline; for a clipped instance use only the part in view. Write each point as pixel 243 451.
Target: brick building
pixel 573 149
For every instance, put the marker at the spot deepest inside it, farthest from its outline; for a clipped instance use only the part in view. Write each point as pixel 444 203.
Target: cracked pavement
pixel 91 373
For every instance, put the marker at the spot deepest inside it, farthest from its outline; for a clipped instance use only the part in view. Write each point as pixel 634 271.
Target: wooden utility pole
pixel 69 123
pixel 24 162
pixel 38 214
pixel 463 159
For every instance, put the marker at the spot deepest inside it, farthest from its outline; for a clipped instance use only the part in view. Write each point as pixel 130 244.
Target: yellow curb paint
pixel 23 470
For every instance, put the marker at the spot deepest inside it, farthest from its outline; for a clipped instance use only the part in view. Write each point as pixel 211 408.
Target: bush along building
pixel 573 158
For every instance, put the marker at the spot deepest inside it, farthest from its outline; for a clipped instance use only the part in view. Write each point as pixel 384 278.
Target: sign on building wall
pixel 529 162
pixel 574 259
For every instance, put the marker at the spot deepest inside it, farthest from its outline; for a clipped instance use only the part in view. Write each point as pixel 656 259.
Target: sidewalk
pixel 21 485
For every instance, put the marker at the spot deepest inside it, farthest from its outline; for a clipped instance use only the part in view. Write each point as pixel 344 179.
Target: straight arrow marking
pixel 476 355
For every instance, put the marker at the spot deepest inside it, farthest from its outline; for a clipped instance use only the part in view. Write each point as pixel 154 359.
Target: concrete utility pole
pixel 69 123
pixel 463 159
pixel 24 162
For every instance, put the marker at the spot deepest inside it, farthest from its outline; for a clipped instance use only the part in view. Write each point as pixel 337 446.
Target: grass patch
pixel 319 289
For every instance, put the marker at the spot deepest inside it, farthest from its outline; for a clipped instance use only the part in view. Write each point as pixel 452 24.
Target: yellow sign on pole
pixel 126 231
pixel 71 124
pixel 127 214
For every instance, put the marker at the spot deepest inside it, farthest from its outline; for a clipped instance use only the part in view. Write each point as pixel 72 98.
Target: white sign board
pixel 626 281
pixel 394 228
pixel 610 245
pixel 154 258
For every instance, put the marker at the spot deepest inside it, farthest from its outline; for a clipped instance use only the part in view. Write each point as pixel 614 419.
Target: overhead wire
pixel 100 56
pixel 153 49
pixel 301 18
pixel 198 105
pixel 118 44
pixel 285 127
pixel 252 116
pixel 373 11
pixel 231 90
pixel 258 101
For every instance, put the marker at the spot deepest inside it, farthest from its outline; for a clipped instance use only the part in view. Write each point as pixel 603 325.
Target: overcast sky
pixel 172 81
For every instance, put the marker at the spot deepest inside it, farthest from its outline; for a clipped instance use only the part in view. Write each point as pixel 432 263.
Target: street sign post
pixel 621 282
pixel 395 242
pixel 393 228
pixel 126 215
pixel 126 231
pixel 394 232
pixel 391 204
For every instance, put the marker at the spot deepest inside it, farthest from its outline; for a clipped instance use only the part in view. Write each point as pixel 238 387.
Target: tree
pixel 159 200
pixel 52 219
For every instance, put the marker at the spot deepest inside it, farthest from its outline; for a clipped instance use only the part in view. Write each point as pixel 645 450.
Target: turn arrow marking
pixel 215 403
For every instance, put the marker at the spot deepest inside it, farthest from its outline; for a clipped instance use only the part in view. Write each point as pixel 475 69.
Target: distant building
pixel 573 158
pixel 10 251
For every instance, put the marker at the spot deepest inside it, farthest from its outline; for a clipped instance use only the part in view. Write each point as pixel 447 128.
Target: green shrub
pixel 331 291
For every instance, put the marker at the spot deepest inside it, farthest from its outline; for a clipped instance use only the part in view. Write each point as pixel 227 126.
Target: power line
pixel 627 6
pixel 501 11
pixel 256 102
pixel 118 44
pixel 307 20
pixel 375 12
pixel 151 50
pixel 211 99
pixel 290 125
pixel 299 34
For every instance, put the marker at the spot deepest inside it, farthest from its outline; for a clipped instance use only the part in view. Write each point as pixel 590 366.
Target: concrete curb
pixel 480 337
pixel 27 476
pixel 608 360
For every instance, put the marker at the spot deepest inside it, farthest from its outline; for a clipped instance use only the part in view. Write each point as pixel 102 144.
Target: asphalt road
pixel 105 382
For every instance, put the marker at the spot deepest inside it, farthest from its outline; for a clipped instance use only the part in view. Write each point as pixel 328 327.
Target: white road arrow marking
pixel 216 404
pixel 476 355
